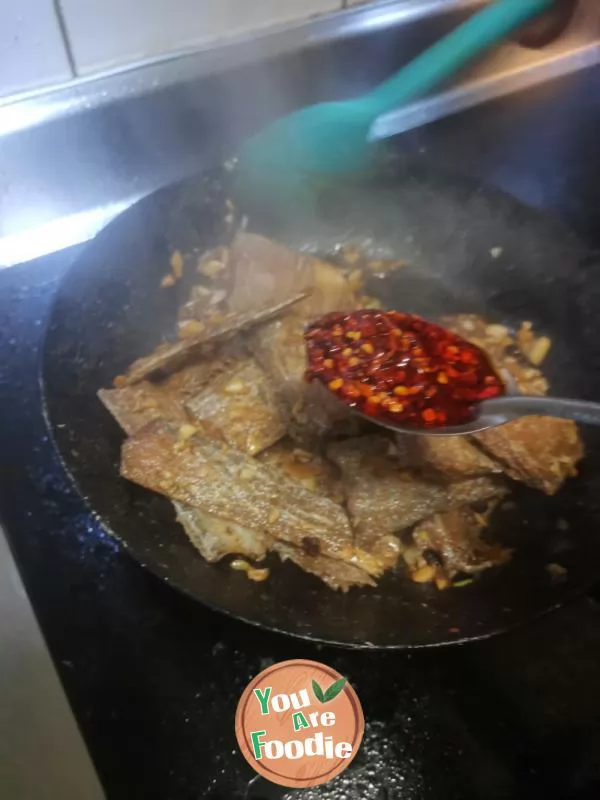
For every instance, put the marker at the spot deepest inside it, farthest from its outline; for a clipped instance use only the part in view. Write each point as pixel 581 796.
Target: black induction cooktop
pixel 154 678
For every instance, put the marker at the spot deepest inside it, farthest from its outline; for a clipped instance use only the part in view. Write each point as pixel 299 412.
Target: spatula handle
pixel 446 57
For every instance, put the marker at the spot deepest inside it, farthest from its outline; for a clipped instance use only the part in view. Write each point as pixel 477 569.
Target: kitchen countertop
pixel 154 678
pixel 36 724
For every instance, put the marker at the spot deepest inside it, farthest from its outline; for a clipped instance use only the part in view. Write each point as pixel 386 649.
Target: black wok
pixel 110 310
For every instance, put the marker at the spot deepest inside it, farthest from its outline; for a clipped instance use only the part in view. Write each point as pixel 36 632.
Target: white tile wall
pixel 32 52
pixel 108 33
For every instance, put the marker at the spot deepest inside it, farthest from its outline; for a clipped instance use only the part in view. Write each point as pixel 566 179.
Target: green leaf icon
pixel 318 692
pixel 334 690
pixel 331 693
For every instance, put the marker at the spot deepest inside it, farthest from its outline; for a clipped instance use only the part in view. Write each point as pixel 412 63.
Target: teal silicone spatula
pixel 333 138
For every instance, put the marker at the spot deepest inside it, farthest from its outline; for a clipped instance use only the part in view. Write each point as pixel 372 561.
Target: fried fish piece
pixel 232 486
pixel 240 408
pixel 452 458
pixel 338 575
pixel 193 378
pixel 384 498
pixel 216 538
pixel 539 451
pixel 310 411
pixel 137 405
pixel 265 272
pixel 306 467
pixel 172 356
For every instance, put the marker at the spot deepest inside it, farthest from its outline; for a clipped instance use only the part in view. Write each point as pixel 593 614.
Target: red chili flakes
pixel 399 367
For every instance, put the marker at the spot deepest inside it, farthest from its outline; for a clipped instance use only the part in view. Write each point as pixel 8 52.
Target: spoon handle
pixel 443 59
pixel 510 407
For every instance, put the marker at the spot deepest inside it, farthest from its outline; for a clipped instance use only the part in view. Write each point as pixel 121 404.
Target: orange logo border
pixel 348 701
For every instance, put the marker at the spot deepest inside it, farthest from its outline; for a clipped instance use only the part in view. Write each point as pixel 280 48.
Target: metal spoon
pixel 500 410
